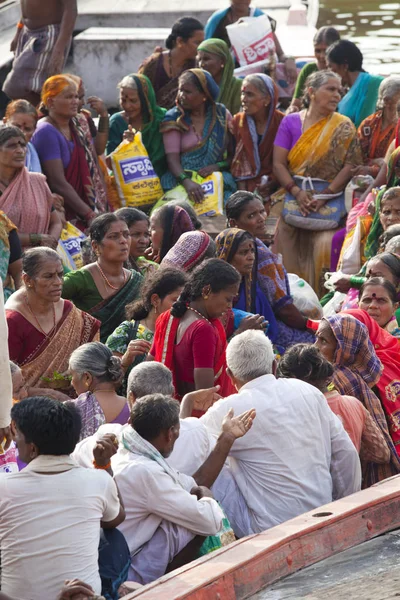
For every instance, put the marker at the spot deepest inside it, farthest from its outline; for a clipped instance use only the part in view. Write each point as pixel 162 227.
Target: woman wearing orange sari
pixel 316 143
pixel 190 338
pixel 44 329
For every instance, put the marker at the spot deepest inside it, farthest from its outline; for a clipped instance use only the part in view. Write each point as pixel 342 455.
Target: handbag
pixel 328 217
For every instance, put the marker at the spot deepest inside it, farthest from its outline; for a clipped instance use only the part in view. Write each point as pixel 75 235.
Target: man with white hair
pixel 296 457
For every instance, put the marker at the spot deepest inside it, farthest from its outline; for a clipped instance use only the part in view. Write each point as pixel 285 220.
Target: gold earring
pixel 155 309
pixel 205 297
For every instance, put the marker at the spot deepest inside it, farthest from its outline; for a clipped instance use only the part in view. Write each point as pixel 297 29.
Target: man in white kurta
pixel 296 457
pixel 165 509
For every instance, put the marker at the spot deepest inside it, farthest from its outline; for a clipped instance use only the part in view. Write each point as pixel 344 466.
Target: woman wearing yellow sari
pixel 315 143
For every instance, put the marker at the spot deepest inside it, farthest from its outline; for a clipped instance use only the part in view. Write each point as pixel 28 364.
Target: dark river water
pixel 373 26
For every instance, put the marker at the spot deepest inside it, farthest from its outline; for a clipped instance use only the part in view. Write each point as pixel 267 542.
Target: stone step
pixel 153 13
pixel 104 55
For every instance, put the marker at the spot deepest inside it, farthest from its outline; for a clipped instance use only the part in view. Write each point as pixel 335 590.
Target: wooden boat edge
pixel 245 567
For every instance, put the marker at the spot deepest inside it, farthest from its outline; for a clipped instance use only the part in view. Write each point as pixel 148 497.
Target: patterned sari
pixel 165 87
pixel 52 352
pixel 6 226
pixel 321 152
pixel 253 157
pixel 111 311
pixel 375 142
pixel 357 370
pixel 212 148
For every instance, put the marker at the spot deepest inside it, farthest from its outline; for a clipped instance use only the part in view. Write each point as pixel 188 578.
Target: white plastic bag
pixel 304 297
pixel 334 305
pixel 8 459
pixel 252 39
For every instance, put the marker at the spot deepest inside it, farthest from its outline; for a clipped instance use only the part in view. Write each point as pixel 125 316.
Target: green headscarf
pixel 230 86
pixel 393 180
pixel 152 117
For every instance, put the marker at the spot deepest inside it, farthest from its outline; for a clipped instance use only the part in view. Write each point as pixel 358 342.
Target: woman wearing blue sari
pixel 196 136
pixel 237 247
pixel 345 59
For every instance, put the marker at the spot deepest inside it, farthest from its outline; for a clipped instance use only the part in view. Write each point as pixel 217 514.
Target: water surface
pixel 373 26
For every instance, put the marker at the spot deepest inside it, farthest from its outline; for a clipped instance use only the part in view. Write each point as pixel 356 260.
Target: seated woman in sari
pixel 314 143
pixel 139 229
pixel 192 248
pixel 377 132
pixel 167 224
pixel 379 298
pixel 344 341
pixel 324 37
pixel 25 197
pixel 139 113
pixel 190 338
pixel 370 231
pixel 196 136
pixel 245 211
pixel 96 374
pixel 164 68
pixel 105 287
pixel 387 349
pixel 346 59
pixel 131 341
pixel 44 329
pixel 21 114
pixel 217 23
pixel 215 58
pixel 254 130
pixel 66 153
pixel 237 247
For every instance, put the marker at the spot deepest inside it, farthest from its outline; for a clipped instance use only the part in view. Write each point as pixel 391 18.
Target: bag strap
pixel 132 332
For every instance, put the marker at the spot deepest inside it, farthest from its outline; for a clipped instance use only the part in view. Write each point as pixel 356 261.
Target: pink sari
pixel 27 202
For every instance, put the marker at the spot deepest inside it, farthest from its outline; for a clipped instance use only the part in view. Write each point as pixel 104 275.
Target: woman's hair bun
pixel 114 368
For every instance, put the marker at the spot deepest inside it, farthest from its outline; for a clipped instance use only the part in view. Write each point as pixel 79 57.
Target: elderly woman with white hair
pixel 254 129
pixel 139 113
pixel 377 132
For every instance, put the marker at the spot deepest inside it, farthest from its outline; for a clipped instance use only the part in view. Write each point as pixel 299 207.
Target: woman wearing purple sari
pixel 96 375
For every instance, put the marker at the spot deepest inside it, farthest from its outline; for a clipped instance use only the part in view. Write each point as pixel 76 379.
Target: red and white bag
pixel 252 39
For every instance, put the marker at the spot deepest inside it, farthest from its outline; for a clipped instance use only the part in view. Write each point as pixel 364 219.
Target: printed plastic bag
pixel 8 459
pixel 213 202
pixel 304 297
pixel 69 247
pixel 252 39
pixel 137 182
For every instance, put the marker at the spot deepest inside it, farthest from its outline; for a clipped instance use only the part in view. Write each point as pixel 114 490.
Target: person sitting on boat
pixel 324 38
pixel 296 457
pixel 217 23
pixel 166 510
pixel 346 59
pixel 305 362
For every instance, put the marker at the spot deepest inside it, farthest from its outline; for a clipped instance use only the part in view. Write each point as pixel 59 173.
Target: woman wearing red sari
pixel 65 152
pixel 190 338
pixel 387 349
pixel 44 329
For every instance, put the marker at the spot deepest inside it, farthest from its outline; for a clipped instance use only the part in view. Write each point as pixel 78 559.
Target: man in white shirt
pixel 167 513
pixel 194 443
pixel 50 513
pixel 297 455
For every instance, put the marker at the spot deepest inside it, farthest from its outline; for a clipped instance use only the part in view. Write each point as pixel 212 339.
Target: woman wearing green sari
pixel 105 287
pixel 139 113
pixel 214 56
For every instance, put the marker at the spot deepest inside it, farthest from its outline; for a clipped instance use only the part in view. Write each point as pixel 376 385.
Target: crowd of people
pixel 171 393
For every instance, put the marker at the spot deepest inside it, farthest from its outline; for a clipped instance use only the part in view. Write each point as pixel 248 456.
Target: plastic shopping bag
pixel 8 459
pixel 137 182
pixel 69 247
pixel 213 202
pixel 252 39
pixel 304 297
